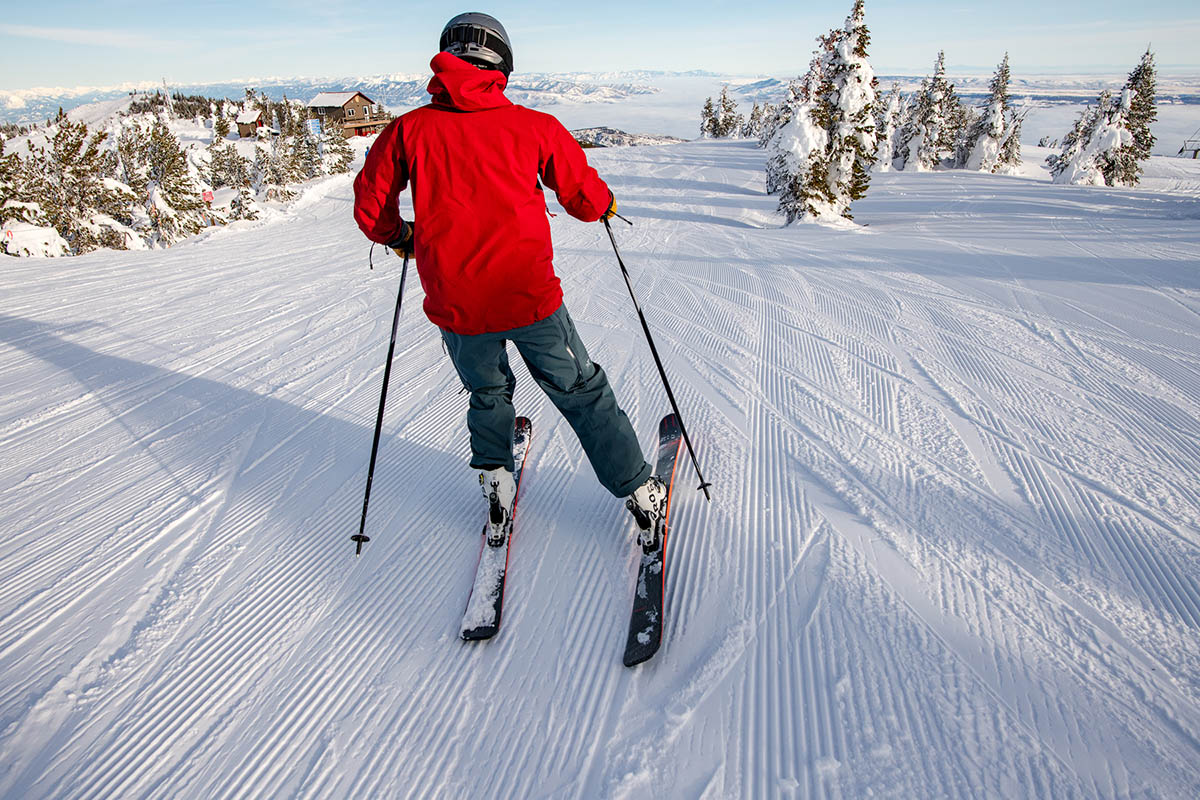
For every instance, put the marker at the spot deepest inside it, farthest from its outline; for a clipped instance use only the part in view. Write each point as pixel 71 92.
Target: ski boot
pixel 648 503
pixel 500 491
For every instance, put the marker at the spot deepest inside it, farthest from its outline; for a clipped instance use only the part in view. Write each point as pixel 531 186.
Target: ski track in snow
pixel 953 547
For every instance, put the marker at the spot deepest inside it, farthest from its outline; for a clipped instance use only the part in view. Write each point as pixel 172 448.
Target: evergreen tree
pixel 304 155
pixel 1010 153
pixel 794 134
pixel 336 151
pixel 1110 141
pixel 1074 143
pixel 270 172
pixel 993 141
pixel 10 167
pixel 729 121
pixel 887 124
pixel 931 132
pixel 220 128
pixel 1124 167
pixel 70 188
pixel 754 123
pixel 227 167
pixel 781 114
pixel 708 120
pixel 155 167
pixel 821 159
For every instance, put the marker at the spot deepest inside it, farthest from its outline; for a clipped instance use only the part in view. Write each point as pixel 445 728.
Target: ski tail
pixel 481 620
pixel 646 620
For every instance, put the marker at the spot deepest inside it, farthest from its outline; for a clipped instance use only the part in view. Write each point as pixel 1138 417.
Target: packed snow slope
pixel 953 548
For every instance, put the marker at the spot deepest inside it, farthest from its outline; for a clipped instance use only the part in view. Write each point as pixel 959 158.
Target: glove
pixel 612 207
pixel 403 246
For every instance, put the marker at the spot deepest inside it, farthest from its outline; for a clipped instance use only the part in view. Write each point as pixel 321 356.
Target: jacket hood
pixel 463 86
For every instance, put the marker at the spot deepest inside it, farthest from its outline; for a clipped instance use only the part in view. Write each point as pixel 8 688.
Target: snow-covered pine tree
pixel 827 149
pixel 1010 153
pixel 930 135
pixel 335 150
pixel 10 166
pixel 220 128
pixel 1092 150
pixel 285 120
pixel 886 125
pixel 155 166
pixel 795 135
pixel 70 188
pixel 227 167
pixel 729 121
pixel 270 172
pixel 1109 142
pixel 754 122
pixel 781 114
pixel 708 120
pixel 1076 140
pixel 993 142
pixel 304 155
pixel 962 119
pixel 1123 166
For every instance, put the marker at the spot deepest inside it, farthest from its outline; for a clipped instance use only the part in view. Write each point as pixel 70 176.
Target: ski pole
pixel 657 361
pixel 360 538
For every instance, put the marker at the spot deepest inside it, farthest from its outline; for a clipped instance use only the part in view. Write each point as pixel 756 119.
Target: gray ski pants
pixel 559 363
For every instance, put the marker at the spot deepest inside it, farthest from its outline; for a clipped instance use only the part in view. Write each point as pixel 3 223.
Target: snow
pixel 249 116
pixel 23 239
pixel 953 548
pixel 326 99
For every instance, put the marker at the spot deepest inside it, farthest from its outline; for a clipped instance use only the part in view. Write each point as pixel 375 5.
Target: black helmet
pixel 479 39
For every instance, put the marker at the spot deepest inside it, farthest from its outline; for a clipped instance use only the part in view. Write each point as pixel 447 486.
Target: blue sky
pixel 54 43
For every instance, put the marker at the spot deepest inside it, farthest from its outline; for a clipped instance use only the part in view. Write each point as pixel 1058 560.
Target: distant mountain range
pixel 611 137
pixel 394 91
pixel 576 89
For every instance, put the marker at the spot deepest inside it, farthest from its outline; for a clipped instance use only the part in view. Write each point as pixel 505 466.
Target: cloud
pixel 94 37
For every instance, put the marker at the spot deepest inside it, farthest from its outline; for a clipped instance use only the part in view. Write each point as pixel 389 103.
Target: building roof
pixel 249 116
pixel 334 99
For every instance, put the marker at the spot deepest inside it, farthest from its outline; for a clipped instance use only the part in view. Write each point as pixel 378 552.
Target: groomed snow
pixel 953 548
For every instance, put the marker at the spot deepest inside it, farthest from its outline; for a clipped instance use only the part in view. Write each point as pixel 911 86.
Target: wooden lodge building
pixel 359 114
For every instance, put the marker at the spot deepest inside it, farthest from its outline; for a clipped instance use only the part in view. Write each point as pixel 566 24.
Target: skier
pixel 475 163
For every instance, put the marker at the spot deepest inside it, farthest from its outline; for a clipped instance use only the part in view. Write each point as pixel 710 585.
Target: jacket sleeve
pixel 378 185
pixel 566 171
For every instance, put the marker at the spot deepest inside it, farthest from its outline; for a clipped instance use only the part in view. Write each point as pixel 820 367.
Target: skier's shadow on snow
pixel 178 420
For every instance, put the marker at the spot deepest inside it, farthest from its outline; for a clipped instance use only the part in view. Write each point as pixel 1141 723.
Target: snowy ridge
pixel 611 137
pixel 953 549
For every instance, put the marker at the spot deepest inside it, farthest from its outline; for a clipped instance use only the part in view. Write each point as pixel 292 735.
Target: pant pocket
pixel 453 352
pixel 569 336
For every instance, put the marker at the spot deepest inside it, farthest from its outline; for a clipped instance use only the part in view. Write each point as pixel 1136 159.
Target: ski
pixel 646 621
pixel 482 617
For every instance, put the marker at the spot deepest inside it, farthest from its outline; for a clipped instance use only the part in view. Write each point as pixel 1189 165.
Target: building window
pixel 321 112
pixel 349 112
pixel 366 111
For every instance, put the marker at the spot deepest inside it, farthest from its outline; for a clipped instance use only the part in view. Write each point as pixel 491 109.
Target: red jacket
pixel 473 160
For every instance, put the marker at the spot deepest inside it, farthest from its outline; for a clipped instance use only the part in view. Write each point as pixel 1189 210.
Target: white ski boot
pixel 649 505
pixel 500 490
